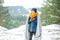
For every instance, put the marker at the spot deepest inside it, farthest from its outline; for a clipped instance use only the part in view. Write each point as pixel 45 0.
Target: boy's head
pixel 34 10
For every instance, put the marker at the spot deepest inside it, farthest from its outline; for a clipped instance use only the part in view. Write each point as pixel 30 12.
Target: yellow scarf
pixel 32 15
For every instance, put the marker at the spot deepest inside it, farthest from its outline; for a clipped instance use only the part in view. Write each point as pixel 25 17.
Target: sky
pixel 25 3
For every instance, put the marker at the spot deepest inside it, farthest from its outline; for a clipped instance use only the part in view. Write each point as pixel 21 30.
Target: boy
pixel 32 21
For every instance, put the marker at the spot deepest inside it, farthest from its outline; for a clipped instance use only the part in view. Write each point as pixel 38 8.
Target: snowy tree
pixel 51 12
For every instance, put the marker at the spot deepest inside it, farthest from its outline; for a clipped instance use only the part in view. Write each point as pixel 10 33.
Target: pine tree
pixel 51 12
pixel 1 1
pixel 4 15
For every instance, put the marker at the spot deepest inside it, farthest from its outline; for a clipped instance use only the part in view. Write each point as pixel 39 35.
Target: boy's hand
pixel 32 19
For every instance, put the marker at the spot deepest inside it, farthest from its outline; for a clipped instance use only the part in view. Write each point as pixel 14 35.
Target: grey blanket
pixel 38 32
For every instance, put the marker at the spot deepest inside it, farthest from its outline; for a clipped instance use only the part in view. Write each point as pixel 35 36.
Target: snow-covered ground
pixel 2 29
pixel 48 33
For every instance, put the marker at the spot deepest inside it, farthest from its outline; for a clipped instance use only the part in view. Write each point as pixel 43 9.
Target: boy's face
pixel 32 11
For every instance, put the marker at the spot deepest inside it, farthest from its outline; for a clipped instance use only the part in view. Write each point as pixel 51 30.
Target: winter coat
pixel 38 30
pixel 32 25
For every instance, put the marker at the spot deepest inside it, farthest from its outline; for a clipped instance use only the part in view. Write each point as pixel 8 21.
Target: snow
pixel 17 33
pixel 48 33
pixel 53 26
pixel 51 32
pixel 2 29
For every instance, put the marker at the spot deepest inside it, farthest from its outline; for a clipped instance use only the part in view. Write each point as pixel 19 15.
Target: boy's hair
pixel 34 9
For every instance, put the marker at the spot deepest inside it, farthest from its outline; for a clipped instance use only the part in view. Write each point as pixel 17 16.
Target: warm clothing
pixel 38 31
pixel 32 21
pixel 32 25
pixel 32 15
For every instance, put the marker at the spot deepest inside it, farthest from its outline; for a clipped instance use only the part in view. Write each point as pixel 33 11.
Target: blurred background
pixel 13 13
